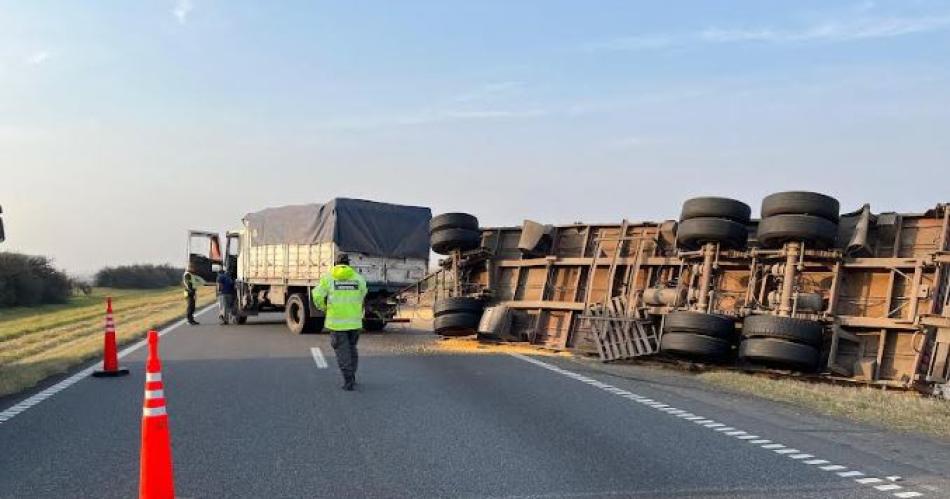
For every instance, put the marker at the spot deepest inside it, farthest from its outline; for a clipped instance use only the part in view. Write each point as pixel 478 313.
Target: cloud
pixel 490 90
pixel 182 9
pixel 828 31
pixel 428 117
pixel 38 57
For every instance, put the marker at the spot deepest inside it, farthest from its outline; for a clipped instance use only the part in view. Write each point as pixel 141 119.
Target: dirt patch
pixel 471 346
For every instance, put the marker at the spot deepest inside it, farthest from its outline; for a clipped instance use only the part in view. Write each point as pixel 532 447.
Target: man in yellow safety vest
pixel 340 294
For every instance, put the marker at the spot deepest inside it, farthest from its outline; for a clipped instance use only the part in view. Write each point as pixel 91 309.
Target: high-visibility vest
pixel 340 294
pixel 196 281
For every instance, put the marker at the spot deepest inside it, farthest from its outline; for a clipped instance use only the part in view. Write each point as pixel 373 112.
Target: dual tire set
pixel 454 232
pixel 806 217
pixel 766 339
pixel 450 232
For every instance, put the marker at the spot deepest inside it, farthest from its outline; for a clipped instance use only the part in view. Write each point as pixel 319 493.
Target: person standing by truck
pixel 340 295
pixel 190 282
pixel 226 292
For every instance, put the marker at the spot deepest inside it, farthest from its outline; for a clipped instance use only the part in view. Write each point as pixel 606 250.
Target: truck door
pixel 204 255
pixel 232 247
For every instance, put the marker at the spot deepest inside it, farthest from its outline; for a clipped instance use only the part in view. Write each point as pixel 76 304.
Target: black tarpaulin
pixel 355 225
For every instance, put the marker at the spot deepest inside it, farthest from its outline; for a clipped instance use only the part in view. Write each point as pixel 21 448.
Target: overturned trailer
pixel 860 296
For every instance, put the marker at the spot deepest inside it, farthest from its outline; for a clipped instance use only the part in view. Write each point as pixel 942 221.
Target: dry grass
pixel 894 410
pixel 38 342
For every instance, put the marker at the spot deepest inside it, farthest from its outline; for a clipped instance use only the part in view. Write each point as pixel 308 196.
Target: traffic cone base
pixel 111 374
pixel 110 357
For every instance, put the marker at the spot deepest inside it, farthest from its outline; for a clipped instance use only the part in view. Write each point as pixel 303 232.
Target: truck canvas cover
pixel 354 225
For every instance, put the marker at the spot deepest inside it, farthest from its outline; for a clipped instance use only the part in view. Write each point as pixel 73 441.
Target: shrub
pixel 27 280
pixel 143 276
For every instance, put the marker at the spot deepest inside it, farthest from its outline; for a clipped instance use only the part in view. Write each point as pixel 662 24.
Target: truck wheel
pixel 715 207
pixel 298 318
pixel 374 325
pixel 693 233
pixel 771 351
pixel 784 328
pixel 777 230
pixel 455 305
pixel 446 240
pixel 801 203
pixel 694 345
pixel 242 319
pixel 716 326
pixel 453 221
pixel 458 324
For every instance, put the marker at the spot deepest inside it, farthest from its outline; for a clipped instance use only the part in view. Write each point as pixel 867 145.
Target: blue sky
pixel 124 123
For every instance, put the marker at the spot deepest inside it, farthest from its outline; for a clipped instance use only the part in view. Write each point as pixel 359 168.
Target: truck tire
pixel 457 304
pixel 777 230
pixel 715 207
pixel 771 351
pixel 297 316
pixel 791 329
pixel 374 325
pixel 695 232
pixel 241 319
pixel 712 325
pixel 453 221
pixel 801 203
pixel 445 241
pixel 696 346
pixel 458 324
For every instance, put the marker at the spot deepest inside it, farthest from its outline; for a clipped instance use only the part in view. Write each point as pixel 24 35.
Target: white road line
pixel 885 488
pixel 849 474
pixel 834 467
pixel 318 357
pixel 25 404
pixel 780 449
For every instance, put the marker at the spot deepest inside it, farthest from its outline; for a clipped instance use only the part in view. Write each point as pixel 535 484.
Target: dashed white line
pixel 779 449
pixel 25 404
pixel 318 357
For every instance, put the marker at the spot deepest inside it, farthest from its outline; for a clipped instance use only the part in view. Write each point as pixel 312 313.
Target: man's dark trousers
pixel 191 307
pixel 344 344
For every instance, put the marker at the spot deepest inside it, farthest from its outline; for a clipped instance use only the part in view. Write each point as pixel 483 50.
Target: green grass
pixel 38 342
pixel 893 410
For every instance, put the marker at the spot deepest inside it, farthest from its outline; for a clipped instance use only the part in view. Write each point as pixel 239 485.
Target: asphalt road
pixel 254 415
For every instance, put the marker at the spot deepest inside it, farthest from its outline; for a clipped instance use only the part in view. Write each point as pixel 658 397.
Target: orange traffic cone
pixel 155 471
pixel 110 357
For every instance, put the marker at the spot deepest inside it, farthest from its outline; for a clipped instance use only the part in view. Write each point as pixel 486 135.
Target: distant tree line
pixel 142 276
pixel 27 280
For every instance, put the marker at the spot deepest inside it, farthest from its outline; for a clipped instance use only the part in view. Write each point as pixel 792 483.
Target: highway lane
pixel 254 415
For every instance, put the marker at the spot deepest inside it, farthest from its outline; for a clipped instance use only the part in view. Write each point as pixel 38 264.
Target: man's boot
pixel 349 382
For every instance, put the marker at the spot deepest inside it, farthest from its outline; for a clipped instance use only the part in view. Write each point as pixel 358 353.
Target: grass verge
pixel 893 410
pixel 39 342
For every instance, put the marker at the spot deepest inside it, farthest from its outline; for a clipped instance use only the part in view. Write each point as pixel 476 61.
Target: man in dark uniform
pixel 191 281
